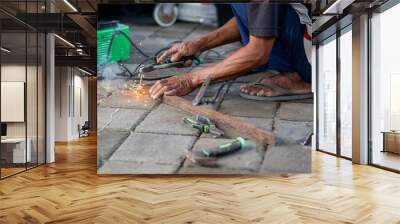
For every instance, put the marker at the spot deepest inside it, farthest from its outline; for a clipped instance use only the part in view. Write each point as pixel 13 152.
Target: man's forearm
pixel 240 62
pixel 226 34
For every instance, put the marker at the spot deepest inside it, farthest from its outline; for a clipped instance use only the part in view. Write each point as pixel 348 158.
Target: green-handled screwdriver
pixel 224 149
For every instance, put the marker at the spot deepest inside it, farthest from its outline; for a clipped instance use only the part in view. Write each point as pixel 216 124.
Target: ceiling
pixel 76 21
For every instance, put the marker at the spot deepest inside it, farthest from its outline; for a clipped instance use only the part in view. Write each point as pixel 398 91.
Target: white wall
pixel 33 126
pixel 70 83
pixel 62 81
pixel 16 72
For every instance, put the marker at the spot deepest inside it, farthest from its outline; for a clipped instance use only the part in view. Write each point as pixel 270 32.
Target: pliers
pixel 204 124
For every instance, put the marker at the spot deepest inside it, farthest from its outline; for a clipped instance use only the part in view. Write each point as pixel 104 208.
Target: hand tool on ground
pixel 236 124
pixel 225 149
pixel 198 158
pixel 204 124
pixel 208 157
pixel 214 101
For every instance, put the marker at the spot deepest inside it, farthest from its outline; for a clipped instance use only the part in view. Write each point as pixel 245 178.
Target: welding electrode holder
pixel 184 59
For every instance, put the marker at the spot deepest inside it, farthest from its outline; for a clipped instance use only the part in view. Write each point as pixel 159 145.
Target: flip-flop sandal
pixel 285 95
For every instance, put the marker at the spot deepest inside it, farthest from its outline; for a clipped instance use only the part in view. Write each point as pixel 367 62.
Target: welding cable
pixel 126 70
pixel 148 58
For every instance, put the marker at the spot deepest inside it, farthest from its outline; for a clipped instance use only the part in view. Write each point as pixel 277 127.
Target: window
pixel 346 93
pixel 385 89
pixel 22 78
pixel 327 96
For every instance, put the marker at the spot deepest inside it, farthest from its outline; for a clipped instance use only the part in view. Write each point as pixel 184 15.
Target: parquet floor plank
pixel 70 191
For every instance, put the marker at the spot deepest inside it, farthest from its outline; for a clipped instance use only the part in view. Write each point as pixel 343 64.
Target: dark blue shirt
pixel 282 22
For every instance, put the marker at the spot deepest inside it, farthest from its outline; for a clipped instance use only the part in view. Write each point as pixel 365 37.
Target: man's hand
pixel 177 51
pixel 173 86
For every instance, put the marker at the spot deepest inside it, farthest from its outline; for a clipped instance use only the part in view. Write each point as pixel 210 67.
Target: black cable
pixel 147 57
pixel 126 70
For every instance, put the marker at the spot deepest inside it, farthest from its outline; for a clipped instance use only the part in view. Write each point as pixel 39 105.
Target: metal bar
pixel 45 96
pixel 26 90
pixel 37 91
pixel 197 100
pixel 369 90
pixel 73 91
pixel 338 94
pixel 385 168
pixel 17 19
pixel 317 97
pixel 60 95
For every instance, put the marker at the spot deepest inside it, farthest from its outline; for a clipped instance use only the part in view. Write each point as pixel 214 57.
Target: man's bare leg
pixel 291 81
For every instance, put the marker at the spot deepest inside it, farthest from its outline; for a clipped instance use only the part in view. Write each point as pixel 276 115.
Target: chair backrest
pixel 86 125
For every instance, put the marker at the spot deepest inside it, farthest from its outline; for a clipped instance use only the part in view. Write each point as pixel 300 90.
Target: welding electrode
pixel 224 149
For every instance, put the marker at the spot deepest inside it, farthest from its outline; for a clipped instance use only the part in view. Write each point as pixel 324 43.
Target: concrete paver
pixel 287 159
pixel 166 120
pixel 126 118
pixel 296 111
pixel 144 148
pixel 108 142
pixel 130 101
pixel 248 108
pixel 104 116
pixel 130 167
pixel 292 132
pixel 153 45
pixel 139 30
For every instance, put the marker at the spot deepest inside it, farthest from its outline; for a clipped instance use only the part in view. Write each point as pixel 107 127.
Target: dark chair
pixel 84 130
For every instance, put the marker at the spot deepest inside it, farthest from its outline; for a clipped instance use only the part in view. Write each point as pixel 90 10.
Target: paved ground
pixel 140 136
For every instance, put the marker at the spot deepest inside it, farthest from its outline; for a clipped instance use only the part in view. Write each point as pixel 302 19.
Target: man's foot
pixel 290 81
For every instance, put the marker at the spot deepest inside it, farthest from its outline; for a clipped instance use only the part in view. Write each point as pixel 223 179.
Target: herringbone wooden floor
pixel 70 191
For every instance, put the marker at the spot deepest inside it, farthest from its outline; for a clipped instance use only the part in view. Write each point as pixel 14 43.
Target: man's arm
pixel 228 33
pixel 247 58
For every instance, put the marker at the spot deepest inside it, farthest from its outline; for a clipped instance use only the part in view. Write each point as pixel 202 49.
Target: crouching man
pixel 275 40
